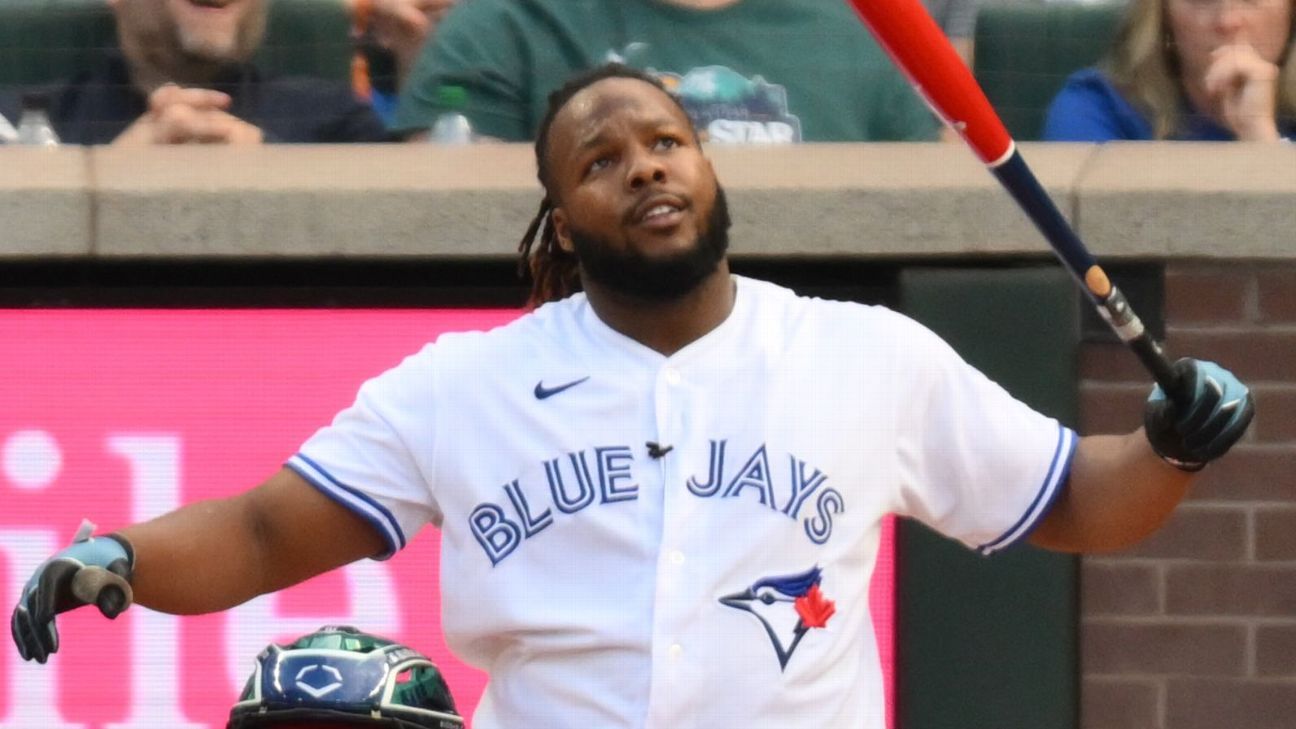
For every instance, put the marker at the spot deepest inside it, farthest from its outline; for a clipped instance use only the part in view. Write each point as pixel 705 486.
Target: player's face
pixel 173 35
pixel 636 200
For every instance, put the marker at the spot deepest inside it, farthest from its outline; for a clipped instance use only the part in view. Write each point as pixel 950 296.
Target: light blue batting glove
pixel 1214 414
pixel 93 571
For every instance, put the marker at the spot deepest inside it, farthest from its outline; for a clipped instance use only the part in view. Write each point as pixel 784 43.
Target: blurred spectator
pixel 958 19
pixel 753 71
pixel 183 74
pixel 1190 70
pixel 391 33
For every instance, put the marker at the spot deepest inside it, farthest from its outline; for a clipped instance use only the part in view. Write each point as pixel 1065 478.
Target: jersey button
pixel 676 650
pixel 677 557
pixel 672 376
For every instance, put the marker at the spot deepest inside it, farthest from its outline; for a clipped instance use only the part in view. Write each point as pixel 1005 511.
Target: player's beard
pixel 656 279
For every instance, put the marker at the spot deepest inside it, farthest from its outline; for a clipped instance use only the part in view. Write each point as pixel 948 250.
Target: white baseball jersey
pixel 722 583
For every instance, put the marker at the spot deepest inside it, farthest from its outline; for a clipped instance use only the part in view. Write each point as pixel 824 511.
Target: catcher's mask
pixel 340 677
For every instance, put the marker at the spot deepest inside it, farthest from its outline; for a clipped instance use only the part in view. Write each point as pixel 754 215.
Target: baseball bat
pixel 920 49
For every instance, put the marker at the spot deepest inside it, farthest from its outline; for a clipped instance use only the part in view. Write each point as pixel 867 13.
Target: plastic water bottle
pixel 34 127
pixel 452 126
pixel 8 135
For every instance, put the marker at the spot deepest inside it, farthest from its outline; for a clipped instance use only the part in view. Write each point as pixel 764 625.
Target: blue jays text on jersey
pixel 604 474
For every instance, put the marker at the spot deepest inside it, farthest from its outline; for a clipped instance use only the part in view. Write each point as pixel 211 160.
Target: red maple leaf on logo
pixel 814 609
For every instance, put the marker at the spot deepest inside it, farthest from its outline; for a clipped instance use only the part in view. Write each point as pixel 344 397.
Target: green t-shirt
pixel 755 71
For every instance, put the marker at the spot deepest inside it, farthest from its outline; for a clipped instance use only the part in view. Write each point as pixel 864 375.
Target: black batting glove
pixel 93 571
pixel 1216 411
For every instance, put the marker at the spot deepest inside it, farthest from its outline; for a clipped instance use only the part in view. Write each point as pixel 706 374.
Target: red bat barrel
pixel 918 46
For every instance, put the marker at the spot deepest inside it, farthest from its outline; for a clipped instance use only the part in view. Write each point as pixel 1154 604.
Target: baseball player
pixel 659 498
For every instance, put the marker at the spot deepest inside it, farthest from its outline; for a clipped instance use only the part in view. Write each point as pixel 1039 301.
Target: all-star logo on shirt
pixel 729 107
pixel 787 607
pixel 725 106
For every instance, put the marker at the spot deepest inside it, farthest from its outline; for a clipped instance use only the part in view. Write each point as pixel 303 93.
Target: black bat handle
pixel 1121 317
pixel 1017 178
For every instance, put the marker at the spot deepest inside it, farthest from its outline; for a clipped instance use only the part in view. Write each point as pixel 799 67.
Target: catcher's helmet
pixel 341 677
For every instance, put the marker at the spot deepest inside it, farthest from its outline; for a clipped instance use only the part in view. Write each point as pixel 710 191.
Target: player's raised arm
pixel 1122 488
pixel 204 557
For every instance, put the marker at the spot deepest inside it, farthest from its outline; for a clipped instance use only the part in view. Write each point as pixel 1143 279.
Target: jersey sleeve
pixel 373 456
pixel 975 464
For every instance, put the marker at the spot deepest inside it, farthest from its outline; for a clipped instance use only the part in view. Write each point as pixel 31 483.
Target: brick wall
pixel 1196 627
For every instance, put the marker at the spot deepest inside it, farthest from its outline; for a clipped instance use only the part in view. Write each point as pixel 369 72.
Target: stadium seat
pixel 46 41
pixel 1025 52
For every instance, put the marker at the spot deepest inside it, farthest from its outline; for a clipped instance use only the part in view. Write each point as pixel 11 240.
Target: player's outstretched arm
pixel 1122 488
pixel 205 557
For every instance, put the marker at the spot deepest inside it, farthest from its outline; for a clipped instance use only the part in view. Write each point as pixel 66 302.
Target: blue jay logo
pixel 787 607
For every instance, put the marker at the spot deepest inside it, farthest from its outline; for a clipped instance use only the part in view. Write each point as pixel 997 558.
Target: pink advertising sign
pixel 120 415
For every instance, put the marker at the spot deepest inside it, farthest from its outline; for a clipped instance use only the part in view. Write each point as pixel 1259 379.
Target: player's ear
pixel 562 231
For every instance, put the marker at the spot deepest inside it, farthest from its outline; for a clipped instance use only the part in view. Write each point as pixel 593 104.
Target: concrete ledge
pixel 1190 200
pixel 884 199
pixel 312 201
pixel 45 202
pixel 852 200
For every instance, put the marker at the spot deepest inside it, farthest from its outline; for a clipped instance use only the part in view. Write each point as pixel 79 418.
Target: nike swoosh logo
pixel 542 392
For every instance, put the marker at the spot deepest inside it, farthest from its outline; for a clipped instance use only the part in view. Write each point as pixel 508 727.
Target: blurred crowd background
pixel 749 71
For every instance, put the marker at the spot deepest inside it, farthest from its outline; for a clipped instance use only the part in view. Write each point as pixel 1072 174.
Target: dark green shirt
pixel 755 71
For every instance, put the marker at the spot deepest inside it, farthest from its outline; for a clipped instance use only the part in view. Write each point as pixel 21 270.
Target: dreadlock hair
pixel 555 272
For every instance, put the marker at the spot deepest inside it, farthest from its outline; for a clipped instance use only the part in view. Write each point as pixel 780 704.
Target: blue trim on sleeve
pixel 364 505
pixel 1054 482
